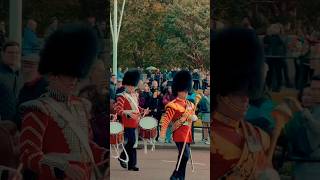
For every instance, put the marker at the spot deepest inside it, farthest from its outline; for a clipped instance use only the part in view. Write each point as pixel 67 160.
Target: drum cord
pixel 145 141
pixel 116 147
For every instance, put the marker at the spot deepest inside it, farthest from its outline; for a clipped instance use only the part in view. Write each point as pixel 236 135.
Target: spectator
pixel 303 134
pixel 168 96
pixel 97 30
pixel 275 52
pixel 30 42
pixel 120 73
pixel 34 84
pixel 145 97
pixel 10 80
pixel 246 23
pixel 113 88
pixel 204 114
pixel 120 87
pixel 196 79
pixel 156 106
pixel 52 27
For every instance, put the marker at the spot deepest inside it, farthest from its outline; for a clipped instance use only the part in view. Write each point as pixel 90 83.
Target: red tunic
pixel 123 105
pixel 48 143
pixel 174 110
pixel 227 147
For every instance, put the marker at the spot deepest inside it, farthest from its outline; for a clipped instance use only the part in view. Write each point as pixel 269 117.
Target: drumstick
pixel 144 113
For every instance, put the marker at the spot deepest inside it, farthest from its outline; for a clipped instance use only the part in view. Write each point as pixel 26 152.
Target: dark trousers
pixel 180 174
pixel 129 134
pixel 303 74
pixel 274 75
pixel 157 116
pixel 196 84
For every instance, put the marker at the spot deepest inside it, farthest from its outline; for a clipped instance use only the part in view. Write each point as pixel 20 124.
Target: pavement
pixel 198 145
pixel 159 165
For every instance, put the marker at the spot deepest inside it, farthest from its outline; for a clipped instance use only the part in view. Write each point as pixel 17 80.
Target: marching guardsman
pixel 56 139
pixel 181 112
pixel 240 150
pixel 127 106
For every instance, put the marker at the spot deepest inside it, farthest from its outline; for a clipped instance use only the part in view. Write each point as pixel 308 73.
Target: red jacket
pixel 46 138
pixel 123 105
pixel 174 110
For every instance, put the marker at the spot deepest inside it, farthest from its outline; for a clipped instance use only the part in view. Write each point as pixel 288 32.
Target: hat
pixel 237 61
pixel 182 81
pixel 70 50
pixel 131 78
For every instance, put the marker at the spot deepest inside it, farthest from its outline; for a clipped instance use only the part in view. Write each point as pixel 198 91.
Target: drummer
pixel 127 107
pixel 180 111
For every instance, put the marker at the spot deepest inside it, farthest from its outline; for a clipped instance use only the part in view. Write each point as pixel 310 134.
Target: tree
pixel 65 10
pixel 187 33
pixel 137 42
pixel 165 34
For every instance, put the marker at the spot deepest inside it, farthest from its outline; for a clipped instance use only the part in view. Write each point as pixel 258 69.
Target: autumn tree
pixel 165 33
pixel 186 34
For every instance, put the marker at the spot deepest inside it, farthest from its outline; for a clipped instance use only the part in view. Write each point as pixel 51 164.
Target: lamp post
pixel 15 20
pixel 115 30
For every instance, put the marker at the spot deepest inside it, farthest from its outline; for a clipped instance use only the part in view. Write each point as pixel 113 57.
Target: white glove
pixel 194 118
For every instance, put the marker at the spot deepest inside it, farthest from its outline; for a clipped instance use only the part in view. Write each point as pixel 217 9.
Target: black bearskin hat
pixel 182 81
pixel 237 62
pixel 70 50
pixel 131 78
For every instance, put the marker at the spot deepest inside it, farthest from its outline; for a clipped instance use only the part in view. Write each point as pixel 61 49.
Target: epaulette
pixel 33 105
pixel 171 104
pixel 175 106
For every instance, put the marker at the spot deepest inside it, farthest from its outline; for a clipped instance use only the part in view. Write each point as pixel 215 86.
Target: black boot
pixel 123 164
pixel 133 169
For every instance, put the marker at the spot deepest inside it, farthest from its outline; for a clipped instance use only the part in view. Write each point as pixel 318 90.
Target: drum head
pixel 115 128
pixel 148 123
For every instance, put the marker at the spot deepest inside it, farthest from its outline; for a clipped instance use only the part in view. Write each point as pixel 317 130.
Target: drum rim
pixel 118 123
pixel 154 119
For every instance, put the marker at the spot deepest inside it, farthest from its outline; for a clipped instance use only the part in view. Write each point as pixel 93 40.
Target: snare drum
pixel 148 128
pixel 116 133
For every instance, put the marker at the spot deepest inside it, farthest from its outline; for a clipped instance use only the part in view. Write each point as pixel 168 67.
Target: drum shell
pixel 147 133
pixel 116 138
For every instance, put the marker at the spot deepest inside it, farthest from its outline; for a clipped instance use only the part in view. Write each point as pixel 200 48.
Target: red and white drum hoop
pixel 148 131
pixel 117 138
pixel 116 133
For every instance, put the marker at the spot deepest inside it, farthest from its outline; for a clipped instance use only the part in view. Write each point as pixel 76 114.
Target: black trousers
pixel 196 84
pixel 274 75
pixel 303 75
pixel 180 174
pixel 129 134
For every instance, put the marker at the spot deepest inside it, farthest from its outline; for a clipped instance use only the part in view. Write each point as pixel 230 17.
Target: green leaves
pixel 165 34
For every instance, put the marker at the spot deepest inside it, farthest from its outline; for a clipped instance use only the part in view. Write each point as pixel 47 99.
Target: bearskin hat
pixel 70 50
pixel 182 81
pixel 131 78
pixel 237 62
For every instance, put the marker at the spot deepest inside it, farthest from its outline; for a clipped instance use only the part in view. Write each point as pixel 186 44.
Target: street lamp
pixel 115 30
pixel 15 20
